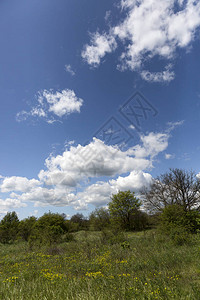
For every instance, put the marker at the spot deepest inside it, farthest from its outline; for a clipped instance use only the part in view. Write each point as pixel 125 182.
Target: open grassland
pixel 141 266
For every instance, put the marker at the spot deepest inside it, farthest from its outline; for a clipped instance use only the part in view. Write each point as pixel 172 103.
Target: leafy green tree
pixel 9 227
pixel 78 222
pixel 49 228
pixel 140 220
pixel 99 219
pixel 122 208
pixel 26 227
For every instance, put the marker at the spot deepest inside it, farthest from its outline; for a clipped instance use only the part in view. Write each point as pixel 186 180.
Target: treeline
pixel 171 204
pixel 54 228
pixel 123 213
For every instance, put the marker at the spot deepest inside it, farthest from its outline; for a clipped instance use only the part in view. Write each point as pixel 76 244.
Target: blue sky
pixel 72 73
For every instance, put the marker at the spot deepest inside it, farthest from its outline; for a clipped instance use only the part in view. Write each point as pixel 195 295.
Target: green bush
pixel 111 237
pixel 48 229
pixel 179 235
pixel 178 224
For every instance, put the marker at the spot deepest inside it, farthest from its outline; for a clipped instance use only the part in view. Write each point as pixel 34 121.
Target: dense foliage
pixel 172 200
pixel 125 213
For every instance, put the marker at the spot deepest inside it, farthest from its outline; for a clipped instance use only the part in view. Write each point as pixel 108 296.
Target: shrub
pixel 178 223
pixel 49 229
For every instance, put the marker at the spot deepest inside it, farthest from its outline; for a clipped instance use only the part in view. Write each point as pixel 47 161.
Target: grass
pixel 146 266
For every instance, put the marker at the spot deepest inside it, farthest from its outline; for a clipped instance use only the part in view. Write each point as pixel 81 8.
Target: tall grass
pixel 102 266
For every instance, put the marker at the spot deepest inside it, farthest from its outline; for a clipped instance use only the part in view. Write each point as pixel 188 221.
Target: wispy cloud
pixel 149 29
pixel 132 127
pixel 165 76
pixel 69 70
pixel 53 105
pixel 173 125
pixel 169 156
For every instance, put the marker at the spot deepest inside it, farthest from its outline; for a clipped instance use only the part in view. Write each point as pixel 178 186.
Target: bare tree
pixel 174 187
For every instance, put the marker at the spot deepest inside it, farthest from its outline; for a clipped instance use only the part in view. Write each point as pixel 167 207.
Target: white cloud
pixel 76 164
pixel 134 182
pixel 20 184
pixel 169 156
pixel 198 175
pixel 101 44
pixel 62 103
pixel 10 204
pixel 42 196
pixel 150 28
pixel 38 111
pixel 22 116
pixel 69 70
pixel 152 145
pixel 99 194
pixel 51 105
pixel 132 127
pixel 97 159
pixel 173 125
pixel 164 76
pixel 107 16
pixel 64 181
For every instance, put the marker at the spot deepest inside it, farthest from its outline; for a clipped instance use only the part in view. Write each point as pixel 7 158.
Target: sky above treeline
pixel 96 97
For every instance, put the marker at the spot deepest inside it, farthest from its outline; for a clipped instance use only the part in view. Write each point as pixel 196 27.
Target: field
pixel 102 266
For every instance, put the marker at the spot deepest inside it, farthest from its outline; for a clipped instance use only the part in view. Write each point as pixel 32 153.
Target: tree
pixel 49 228
pixel 9 227
pixel 176 187
pixel 122 209
pixel 78 222
pixel 26 227
pixel 99 219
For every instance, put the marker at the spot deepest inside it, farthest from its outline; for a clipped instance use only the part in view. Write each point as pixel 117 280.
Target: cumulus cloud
pixel 10 204
pixel 64 181
pixel 52 105
pixel 64 173
pixel 98 159
pixel 150 28
pixel 99 194
pixel 42 196
pixel 20 184
pixel 100 45
pixel 135 181
pixel 152 145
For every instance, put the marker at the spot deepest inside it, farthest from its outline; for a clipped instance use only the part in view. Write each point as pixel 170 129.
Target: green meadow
pixel 102 265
